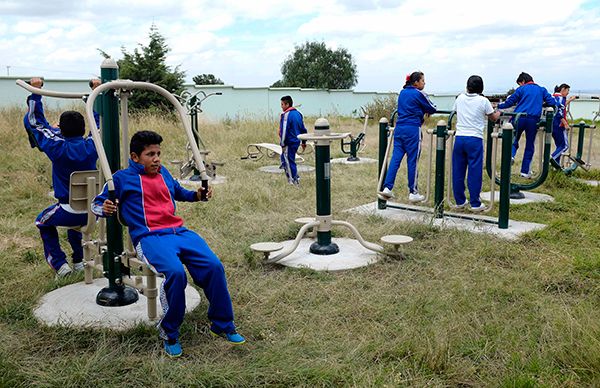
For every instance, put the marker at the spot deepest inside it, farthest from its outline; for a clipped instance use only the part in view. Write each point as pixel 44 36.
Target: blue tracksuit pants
pixel 288 162
pixel 47 221
pixel 407 141
pixel 559 134
pixel 529 126
pixel 167 252
pixel 467 154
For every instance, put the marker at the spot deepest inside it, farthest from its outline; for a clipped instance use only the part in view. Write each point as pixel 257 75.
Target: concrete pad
pixel 346 161
pixel 530 197
pixel 351 255
pixel 75 306
pixel 424 215
pixel 276 170
pixel 588 182
pixel 217 180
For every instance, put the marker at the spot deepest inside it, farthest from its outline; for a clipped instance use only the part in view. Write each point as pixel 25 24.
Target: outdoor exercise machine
pixel 107 253
pixel 193 105
pixel 323 221
pixel 356 144
pixel 439 136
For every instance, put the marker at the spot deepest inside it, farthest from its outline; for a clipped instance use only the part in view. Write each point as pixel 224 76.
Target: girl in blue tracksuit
pixel 560 124
pixel 146 194
pixel 529 98
pixel 413 104
pixel 69 151
pixel 291 125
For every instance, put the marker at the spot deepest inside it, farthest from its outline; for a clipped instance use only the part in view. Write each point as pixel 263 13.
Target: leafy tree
pixel 147 63
pixel 207 79
pixel 313 65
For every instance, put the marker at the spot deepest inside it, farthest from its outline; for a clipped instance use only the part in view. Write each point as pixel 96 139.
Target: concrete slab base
pixel 424 215
pixel 217 180
pixel 276 170
pixel 346 161
pixel 588 182
pixel 530 197
pixel 75 306
pixel 351 255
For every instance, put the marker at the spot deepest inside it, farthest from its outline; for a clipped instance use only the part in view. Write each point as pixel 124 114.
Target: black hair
pixel 288 100
pixel 91 83
pixel 143 139
pixel 563 86
pixel 413 77
pixel 556 89
pixel 524 77
pixel 71 124
pixel 475 84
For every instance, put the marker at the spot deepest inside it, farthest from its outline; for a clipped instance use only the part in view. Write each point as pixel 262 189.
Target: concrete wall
pixel 257 103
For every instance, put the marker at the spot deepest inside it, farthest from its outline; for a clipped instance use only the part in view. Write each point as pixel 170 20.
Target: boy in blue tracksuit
pixel 146 194
pixel 69 151
pixel 413 104
pixel 560 124
pixel 529 98
pixel 35 113
pixel 291 125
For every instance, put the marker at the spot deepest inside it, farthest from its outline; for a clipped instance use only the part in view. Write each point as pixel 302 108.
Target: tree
pixel 313 65
pixel 147 63
pixel 207 79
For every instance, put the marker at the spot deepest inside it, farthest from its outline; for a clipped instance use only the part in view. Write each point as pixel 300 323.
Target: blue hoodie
pixel 529 98
pixel 35 117
pixel 146 202
pixel 291 124
pixel 413 104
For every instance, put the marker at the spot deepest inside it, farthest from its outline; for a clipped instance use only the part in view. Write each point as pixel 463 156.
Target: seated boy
pixel 146 194
pixel 69 152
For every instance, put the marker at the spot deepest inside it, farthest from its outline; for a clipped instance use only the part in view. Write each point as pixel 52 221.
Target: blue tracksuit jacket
pixel 35 117
pixel 413 104
pixel 529 98
pixel 291 124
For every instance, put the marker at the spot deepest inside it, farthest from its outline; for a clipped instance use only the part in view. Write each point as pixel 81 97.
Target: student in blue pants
pixel 68 151
pixel 413 104
pixel 473 111
pixel 528 98
pixel 291 125
pixel 560 124
pixel 146 194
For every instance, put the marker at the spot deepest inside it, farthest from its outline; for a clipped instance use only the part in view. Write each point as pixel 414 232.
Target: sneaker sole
pixel 225 338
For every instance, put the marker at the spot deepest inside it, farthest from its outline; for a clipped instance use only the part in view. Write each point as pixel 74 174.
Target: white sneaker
pixel 416 197
pixel 63 271
pixel 385 194
pixel 478 209
pixel 464 205
pixel 526 176
pixel 78 267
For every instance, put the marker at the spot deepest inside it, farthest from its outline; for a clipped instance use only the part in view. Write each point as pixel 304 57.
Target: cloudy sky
pixel 245 42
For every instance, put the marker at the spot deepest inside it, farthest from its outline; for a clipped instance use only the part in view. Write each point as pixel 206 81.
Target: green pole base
pixel 117 296
pixel 327 249
pixel 381 204
pixel 517 195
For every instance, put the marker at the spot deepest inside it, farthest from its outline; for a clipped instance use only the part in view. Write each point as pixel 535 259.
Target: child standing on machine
pixel 560 124
pixel 413 104
pixel 472 111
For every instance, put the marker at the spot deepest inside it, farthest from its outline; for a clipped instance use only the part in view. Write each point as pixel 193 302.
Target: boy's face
pixel 284 106
pixel 149 158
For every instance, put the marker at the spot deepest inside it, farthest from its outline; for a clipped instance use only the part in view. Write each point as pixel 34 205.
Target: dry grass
pixel 459 310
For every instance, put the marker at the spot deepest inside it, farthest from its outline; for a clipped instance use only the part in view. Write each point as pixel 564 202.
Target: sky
pixel 245 42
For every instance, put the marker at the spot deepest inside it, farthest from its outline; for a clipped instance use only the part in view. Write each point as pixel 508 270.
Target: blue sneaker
pixel 232 337
pixel 173 348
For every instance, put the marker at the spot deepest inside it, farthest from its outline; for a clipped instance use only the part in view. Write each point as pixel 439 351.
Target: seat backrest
pixel 78 194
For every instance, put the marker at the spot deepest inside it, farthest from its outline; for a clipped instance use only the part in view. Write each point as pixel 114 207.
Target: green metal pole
pixel 116 294
pixel 383 143
pixel 440 168
pixel 323 245
pixel 505 166
pixel 353 150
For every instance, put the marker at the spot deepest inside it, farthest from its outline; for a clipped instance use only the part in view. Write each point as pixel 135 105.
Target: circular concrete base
pixel 351 255
pixel 276 170
pixel 75 306
pixel 219 179
pixel 588 182
pixel 346 161
pixel 530 197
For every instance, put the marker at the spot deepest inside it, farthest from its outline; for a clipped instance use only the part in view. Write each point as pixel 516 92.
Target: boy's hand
pixel 109 208
pixel 209 192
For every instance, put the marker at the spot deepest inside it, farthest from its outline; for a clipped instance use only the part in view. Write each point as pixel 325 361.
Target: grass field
pixel 458 310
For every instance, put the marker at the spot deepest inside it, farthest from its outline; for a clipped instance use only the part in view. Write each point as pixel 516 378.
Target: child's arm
pixel 102 206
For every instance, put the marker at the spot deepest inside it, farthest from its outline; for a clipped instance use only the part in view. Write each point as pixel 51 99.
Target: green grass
pixel 458 309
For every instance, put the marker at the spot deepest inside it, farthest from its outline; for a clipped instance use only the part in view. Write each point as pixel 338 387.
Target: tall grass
pixel 458 310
